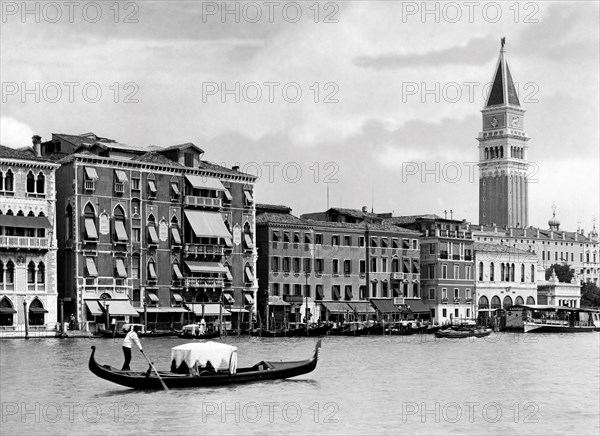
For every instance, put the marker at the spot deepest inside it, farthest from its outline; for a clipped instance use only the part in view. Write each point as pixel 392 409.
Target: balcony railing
pixel 24 242
pixel 203 250
pixel 402 276
pixel 197 282
pixel 190 200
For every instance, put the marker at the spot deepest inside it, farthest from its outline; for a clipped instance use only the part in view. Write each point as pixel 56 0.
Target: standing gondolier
pixel 130 338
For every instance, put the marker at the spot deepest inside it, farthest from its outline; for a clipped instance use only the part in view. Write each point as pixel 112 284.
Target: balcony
pixel 89 185
pixel 293 299
pixel 190 200
pixel 443 255
pixel 119 188
pixel 398 301
pixel 197 282
pixel 401 276
pixel 203 250
pixel 24 242
pixel 457 301
pixel 444 301
pixel 456 257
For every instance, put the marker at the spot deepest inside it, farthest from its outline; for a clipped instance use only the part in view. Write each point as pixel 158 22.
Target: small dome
pixel 553 222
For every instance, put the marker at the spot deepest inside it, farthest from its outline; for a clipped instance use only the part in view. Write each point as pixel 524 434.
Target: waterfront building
pixel 506 276
pixel 447 265
pixel 555 293
pixel 314 263
pixel 150 232
pixel 503 149
pixel 28 250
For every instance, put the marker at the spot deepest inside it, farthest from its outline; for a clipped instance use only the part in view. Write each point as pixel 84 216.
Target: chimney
pixel 37 145
pixel 364 209
pixel 235 168
pixel 564 235
pixel 537 233
pixel 576 236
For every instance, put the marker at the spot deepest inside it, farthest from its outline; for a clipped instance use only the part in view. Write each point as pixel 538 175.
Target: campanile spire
pixel 503 165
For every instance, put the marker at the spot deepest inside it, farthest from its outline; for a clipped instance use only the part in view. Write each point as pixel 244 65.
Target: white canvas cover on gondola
pixel 223 357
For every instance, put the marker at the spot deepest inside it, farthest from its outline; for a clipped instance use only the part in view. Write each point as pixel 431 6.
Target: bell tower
pixel 503 148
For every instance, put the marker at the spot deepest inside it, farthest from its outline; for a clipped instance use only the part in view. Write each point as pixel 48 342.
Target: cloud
pixel 14 133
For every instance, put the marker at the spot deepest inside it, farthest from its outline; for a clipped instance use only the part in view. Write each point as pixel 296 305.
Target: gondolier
pixel 130 338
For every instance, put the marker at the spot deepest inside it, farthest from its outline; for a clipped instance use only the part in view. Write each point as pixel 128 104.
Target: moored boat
pixel 463 333
pixel 143 333
pixel 557 319
pixel 194 331
pixel 201 364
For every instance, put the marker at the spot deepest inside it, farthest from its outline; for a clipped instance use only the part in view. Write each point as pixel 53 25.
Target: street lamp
pixel 143 289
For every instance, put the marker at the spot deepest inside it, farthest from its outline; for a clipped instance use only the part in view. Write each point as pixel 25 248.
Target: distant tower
pixel 554 223
pixel 503 147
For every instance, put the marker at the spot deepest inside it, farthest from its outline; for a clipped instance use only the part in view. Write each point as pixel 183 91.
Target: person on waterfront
pixel 202 326
pixel 130 338
pixel 72 322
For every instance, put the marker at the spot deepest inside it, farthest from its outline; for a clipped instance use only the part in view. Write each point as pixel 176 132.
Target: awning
pixel 93 307
pixel 177 273
pixel 207 224
pixel 249 299
pixel 228 275
pixel 176 236
pixel 25 221
pixel 90 228
pixel 416 265
pixel 153 297
pixel 205 267
pixel 152 186
pixel 227 195
pixel 238 310
pixel 277 301
pixel 228 242
pixel 248 196
pixel 406 263
pixel 248 241
pixel 119 307
pixel 201 182
pixel 361 307
pixel 348 292
pixel 336 306
pixel 249 275
pixel 384 305
pixel 153 235
pixel 335 292
pixel 210 309
pixel 7 310
pixel 416 306
pixel 175 188
pixel 90 266
pixel 121 176
pixel 121 270
pixel 37 310
pixel 91 173
pixel 151 271
pixel 177 296
pixel 229 298
pixel 120 229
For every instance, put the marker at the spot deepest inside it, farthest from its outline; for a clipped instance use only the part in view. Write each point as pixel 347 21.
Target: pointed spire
pixel 503 90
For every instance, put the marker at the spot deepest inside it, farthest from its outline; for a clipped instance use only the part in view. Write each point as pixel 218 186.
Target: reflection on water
pixel 504 384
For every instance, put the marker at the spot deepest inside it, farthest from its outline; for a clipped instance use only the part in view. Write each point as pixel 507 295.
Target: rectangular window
pixel 335 240
pixel 444 294
pixel 347 267
pixel 361 241
pixel 275 236
pixel 444 313
pixel 276 289
pixel 136 234
pixel 362 266
pixel 296 265
pixel 432 248
pixel 468 294
pixel 135 267
pixel 298 290
pixel 405 244
pixel 456 272
pixel 286 289
pixel 384 243
pixel 307 239
pixel 456 313
pixel 275 264
pixel 468 272
pixel 286 264
pixel 432 293
pixel 151 188
pixel 374 242
pixel 347 241
pixel 415 244
pixel 318 239
pixel 395 243
pixel 296 237
pixel 319 266
pixel 444 271
pixel 383 265
pixel 431 271
pixel 456 293
pixel 335 267
pixel 135 184
pixel 307 265
pixel 151 271
pixel 307 291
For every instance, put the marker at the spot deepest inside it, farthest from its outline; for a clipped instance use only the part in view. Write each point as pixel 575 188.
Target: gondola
pixel 463 333
pixel 311 332
pixel 207 335
pixel 102 332
pixel 219 376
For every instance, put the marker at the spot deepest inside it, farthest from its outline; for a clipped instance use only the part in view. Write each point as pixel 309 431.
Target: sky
pixel 339 104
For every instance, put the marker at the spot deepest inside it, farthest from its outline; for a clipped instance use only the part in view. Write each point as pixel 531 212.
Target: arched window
pixel 530 300
pixel 507 302
pixel 395 265
pixel 519 301
pixel 502 271
pixel 512 272
pixel 374 264
pixel 135 266
pixel 532 273
pixel 69 222
pixel 31 272
pixel 37 313
pixel 1 274
pixel 30 183
pixel 496 302
pixel 480 271
pixel 491 271
pixel 151 270
pixel 1 181
pixel 522 273
pixel 484 303
pixel 6 312
pixel 9 181
pixel 40 183
pixel 41 273
pixel 120 229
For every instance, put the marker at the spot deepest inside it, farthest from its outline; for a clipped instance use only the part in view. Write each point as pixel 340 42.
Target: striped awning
pixel 207 224
pixel 200 182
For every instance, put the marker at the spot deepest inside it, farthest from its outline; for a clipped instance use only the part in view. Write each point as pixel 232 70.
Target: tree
pixel 564 272
pixel 590 295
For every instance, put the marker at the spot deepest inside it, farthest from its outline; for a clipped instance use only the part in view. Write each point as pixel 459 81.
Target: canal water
pixel 504 384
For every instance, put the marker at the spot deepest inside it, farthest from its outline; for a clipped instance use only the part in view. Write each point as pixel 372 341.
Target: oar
pixel 157 374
